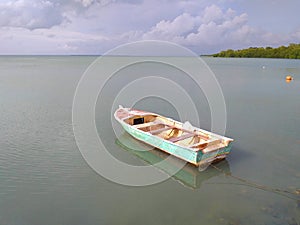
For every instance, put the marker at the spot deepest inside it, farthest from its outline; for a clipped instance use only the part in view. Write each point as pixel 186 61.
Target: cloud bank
pixel 95 26
pixel 30 14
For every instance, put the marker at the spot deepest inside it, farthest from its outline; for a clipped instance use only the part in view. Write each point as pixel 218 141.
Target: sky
pixel 71 27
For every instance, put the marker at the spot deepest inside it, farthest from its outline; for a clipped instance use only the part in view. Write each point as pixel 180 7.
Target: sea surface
pixel 44 179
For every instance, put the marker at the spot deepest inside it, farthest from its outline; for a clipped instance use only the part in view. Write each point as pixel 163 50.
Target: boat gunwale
pixel 143 113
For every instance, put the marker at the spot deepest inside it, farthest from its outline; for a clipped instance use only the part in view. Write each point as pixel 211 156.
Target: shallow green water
pixel 45 180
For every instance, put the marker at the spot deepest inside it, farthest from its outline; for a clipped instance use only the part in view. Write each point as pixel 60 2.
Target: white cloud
pixel 214 29
pixel 94 26
pixel 214 32
pixel 211 27
pixel 212 13
pixel 30 14
pixel 85 3
pixel 180 26
pixel 49 41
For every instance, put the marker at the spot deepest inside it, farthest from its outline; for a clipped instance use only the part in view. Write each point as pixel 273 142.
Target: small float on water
pixel 194 145
pixel 288 78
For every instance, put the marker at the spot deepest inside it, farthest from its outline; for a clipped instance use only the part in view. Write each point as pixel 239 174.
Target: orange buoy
pixel 288 77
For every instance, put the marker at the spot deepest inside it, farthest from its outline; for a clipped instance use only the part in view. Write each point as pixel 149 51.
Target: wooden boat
pixel 194 145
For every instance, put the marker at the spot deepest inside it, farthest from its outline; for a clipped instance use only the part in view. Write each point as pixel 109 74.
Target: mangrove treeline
pixel 285 52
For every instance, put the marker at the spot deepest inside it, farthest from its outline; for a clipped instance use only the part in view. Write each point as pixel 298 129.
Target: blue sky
pixel 95 26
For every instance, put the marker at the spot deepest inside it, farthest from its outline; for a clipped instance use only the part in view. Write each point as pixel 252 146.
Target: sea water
pixel 45 180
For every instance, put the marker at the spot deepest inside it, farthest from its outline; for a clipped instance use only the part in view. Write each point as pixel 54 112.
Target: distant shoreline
pixel 283 52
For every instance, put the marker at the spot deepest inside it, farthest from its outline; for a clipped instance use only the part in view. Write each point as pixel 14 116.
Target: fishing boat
pixel 194 145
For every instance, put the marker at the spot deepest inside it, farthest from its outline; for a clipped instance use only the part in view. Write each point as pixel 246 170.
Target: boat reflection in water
pixel 189 175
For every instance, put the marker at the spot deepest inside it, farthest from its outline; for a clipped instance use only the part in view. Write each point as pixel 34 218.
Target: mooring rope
pixel 262 187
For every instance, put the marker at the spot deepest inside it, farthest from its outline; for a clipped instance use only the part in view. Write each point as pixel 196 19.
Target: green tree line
pixel 290 52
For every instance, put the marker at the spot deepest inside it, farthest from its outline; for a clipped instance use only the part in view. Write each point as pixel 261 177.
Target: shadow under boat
pixel 189 175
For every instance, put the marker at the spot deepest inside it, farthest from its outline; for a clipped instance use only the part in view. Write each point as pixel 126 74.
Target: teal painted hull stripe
pixel 194 157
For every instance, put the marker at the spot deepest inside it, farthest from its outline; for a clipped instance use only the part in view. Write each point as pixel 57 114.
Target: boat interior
pixel 172 131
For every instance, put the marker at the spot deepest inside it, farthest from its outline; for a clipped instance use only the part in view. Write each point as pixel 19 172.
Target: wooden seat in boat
pixel 205 144
pixel 182 137
pixel 143 125
pixel 159 130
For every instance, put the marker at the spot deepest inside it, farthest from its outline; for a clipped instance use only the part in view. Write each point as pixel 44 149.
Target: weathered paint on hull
pixel 195 157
